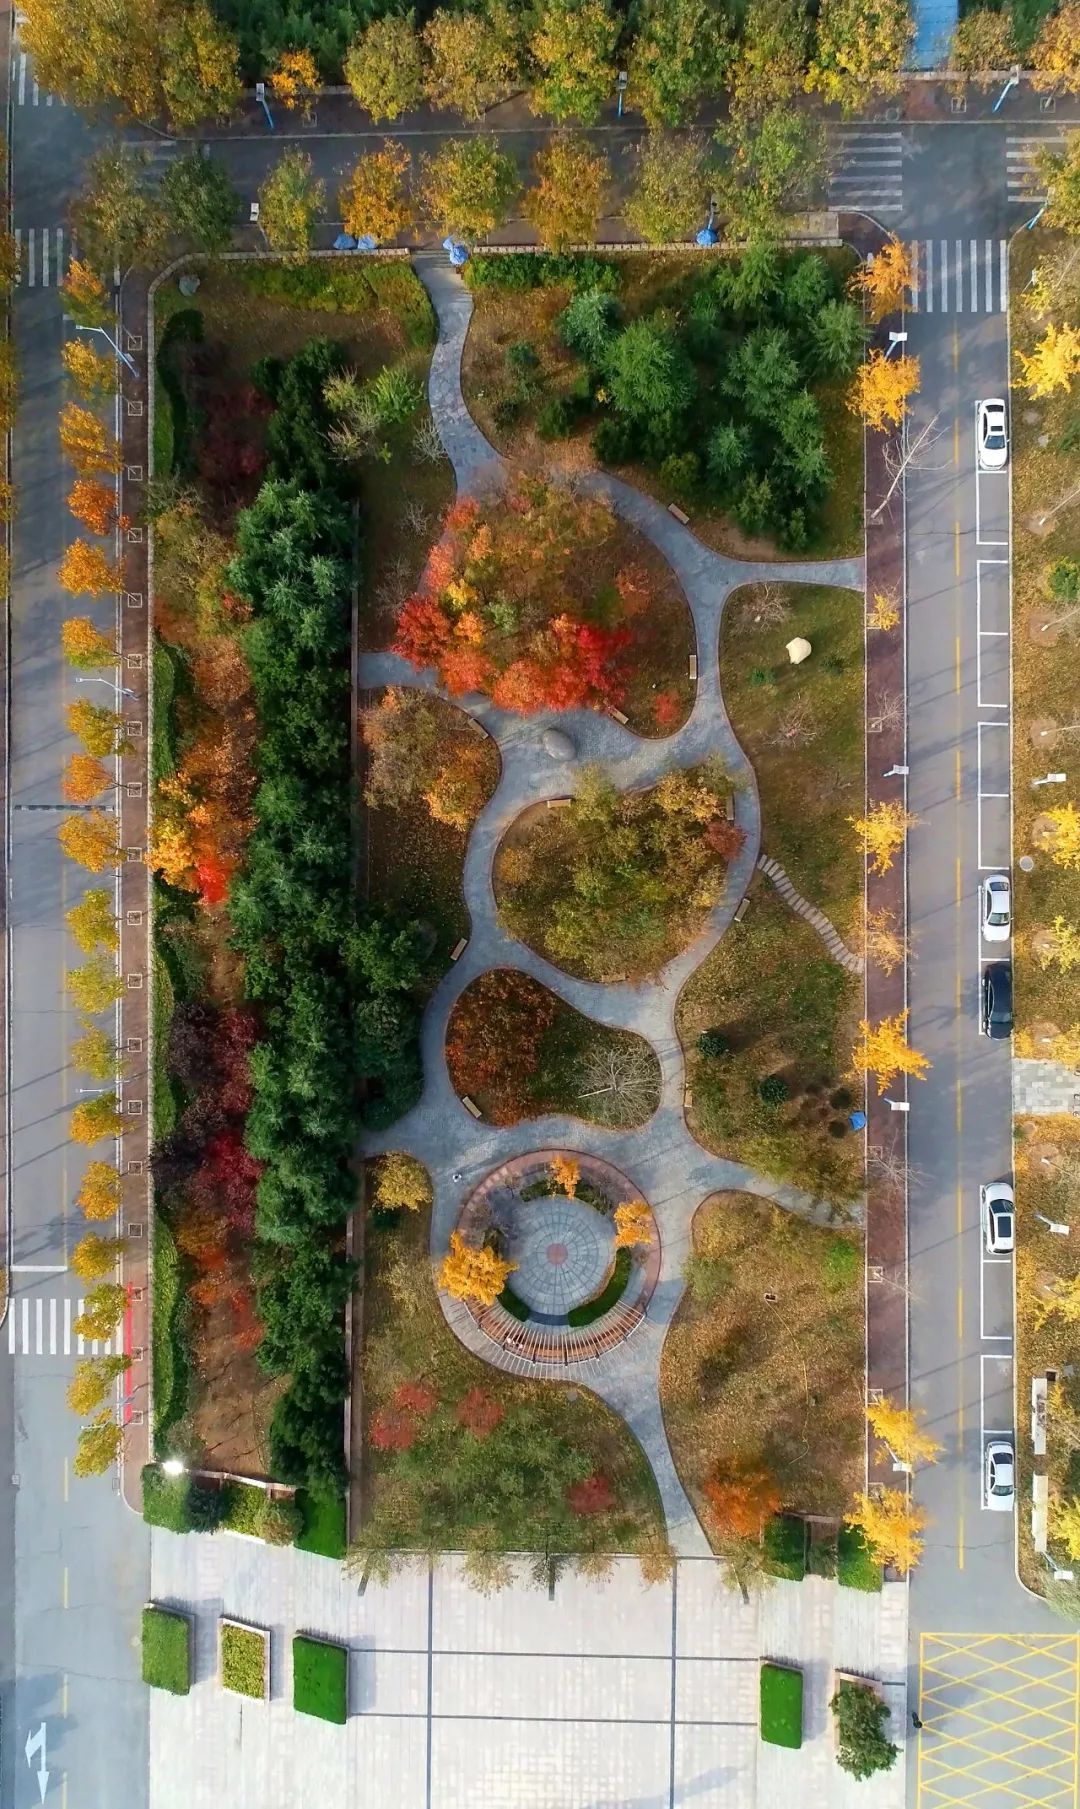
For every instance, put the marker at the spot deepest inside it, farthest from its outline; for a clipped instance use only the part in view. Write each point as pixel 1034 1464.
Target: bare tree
pixel 797 725
pixel 767 606
pixel 899 454
pixel 391 589
pixel 887 711
pixel 625 1078
pixel 427 446
pixel 416 518
pixel 886 943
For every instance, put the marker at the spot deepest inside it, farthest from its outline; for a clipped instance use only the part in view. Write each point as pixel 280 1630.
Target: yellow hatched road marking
pixel 1001 1721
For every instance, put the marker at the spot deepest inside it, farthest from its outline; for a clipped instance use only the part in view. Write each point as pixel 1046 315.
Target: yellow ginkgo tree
pixel 900 1429
pixel 892 1526
pixel 884 1051
pixel 1053 362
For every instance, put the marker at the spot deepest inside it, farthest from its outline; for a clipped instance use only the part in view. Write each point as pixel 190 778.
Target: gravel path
pixel 668 1165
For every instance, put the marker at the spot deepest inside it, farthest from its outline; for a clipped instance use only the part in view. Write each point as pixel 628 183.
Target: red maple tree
pixel 593 1496
pixel 480 1413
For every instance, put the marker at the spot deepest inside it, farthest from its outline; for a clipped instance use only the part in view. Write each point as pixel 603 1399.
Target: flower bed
pixel 245 1659
pixel 320 1679
pixel 166 1649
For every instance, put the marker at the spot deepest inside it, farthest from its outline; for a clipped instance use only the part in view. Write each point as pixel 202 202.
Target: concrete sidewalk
pixel 608 1695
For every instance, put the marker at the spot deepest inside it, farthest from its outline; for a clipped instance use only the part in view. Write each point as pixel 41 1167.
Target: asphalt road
pixel 73 1562
pixel 79 1560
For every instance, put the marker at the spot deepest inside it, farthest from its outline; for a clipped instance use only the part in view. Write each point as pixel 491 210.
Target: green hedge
pixel 163 758
pixel 514 1305
pixel 856 1568
pixel 785 1547
pixel 322 1524
pixel 172 418
pixel 612 1292
pixel 166 1650
pixel 781 1705
pixel 346 287
pixel 181 1504
pixel 243 1661
pixel 170 1357
pixel 320 1679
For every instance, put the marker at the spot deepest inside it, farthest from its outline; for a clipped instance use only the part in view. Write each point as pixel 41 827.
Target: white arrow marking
pixel 35 1743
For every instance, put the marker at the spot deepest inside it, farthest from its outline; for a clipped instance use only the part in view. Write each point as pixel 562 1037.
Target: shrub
pixel 242 1509
pixel 542 270
pixel 856 1567
pixel 785 1547
pixel 320 1679
pixel 514 1305
pixel 181 1504
pixel 773 1090
pixel 588 324
pixel 555 421
pixel 170 1355
pixel 332 287
pixel 861 1716
pixel 166 1650
pixel 243 1660
pixel 781 1705
pixel 713 1044
pixel 610 1294
pixel 281 1521
pixel 322 1528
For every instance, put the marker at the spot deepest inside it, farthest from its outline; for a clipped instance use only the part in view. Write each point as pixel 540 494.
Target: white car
pixel 993 435
pixel 997 908
pixel 998 1217
pixel 1000 1478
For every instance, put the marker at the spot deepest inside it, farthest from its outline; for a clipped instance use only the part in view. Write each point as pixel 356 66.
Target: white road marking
pixel 60 272
pixel 45 257
pixel 22 79
pixel 39 1318
pixel 929 276
pixel 31 267
pixel 985 1431
pixel 988 634
pixel 944 276
pixel 37 95
pixel 67 1326
pixel 52 1326
pixel 25 1326
pixel 973 277
pixel 984 728
pixel 990 1262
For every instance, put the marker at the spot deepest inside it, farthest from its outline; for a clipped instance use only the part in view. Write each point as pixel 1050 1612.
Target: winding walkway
pixel 671 1169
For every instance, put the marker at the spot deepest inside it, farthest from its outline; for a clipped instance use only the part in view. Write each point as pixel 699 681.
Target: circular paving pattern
pixel 564 1250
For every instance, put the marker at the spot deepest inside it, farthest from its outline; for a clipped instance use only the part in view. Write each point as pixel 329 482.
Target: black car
pixel 997 1016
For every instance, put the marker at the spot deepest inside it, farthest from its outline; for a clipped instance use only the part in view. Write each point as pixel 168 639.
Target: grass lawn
pixel 323 1529
pixel 797 1018
pixel 776 1384
pixel 801 727
pixel 410 860
pixel 166 1650
pixel 519 1051
pixel 320 1679
pixel 781 1705
pixel 503 318
pixel 1047 1163
pixel 1044 674
pixel 243 1660
pixel 481 1452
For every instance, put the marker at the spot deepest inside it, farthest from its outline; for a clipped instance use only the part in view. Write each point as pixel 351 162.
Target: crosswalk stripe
pixel 22 79
pixel 31 265
pixel 42 1333
pixel 37 95
pixel 45 257
pixel 47 270
pixel 26 1325
pixel 11 1334
pixel 943 266
pixel 939 263
pixel 52 1326
pixel 67 1326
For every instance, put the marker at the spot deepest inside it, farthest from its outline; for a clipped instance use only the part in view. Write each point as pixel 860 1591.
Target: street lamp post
pixel 118 690
pixel 895 339
pixel 1013 82
pixel 107 336
pixel 1049 779
pixel 260 96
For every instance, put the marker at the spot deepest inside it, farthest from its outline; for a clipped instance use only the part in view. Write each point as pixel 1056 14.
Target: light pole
pixel 621 81
pixel 260 96
pixel 1030 225
pixel 1049 779
pixel 1052 1225
pixel 174 1466
pixel 118 690
pixel 895 339
pixel 1013 82
pixel 130 362
pixel 1067 728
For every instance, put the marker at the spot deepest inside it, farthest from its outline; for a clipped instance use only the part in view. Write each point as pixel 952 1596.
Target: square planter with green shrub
pixel 856 1566
pixel 860 1717
pixel 322 1524
pixel 245 1659
pixel 781 1705
pixel 785 1547
pixel 166 1649
pixel 320 1679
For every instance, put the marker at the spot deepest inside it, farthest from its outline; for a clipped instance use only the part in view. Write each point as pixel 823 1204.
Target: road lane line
pixel 956 559
pixel 31 268
pixel 44 257
pixel 59 255
pixel 80 1341
pixel 915 277
pixel 1003 248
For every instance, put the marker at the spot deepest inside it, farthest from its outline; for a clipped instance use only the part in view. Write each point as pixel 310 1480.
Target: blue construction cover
pixel 366 242
pixel 456 252
pixel 935 22
pixel 344 242
pixel 707 236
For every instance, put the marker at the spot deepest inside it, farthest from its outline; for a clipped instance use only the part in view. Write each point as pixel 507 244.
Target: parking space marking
pixel 982 477
pixel 1000 1721
pixel 996 656
pixel 989 794
pixel 990 1262
pixel 985 1431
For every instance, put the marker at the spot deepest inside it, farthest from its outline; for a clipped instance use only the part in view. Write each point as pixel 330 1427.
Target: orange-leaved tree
pixel 91 840
pixel 884 612
pixel 566 198
pixel 87 568
pixel 881 389
pixel 633 1224
pixel 891 1524
pixel 84 646
pixel 375 197
pixel 99 729
pixel 885 1052
pixel 885 279
pixel 566 1173
pixel 86 442
pixel 92 921
pixel 94 1119
pixel 99 1191
pixel 295 80
pixel 93 375
pixel 93 504
pixel 743 1499
pixel 83 295
pixel 900 1428
pixel 84 779
pixel 882 832
pixel 1056 56
pixel 471 1272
